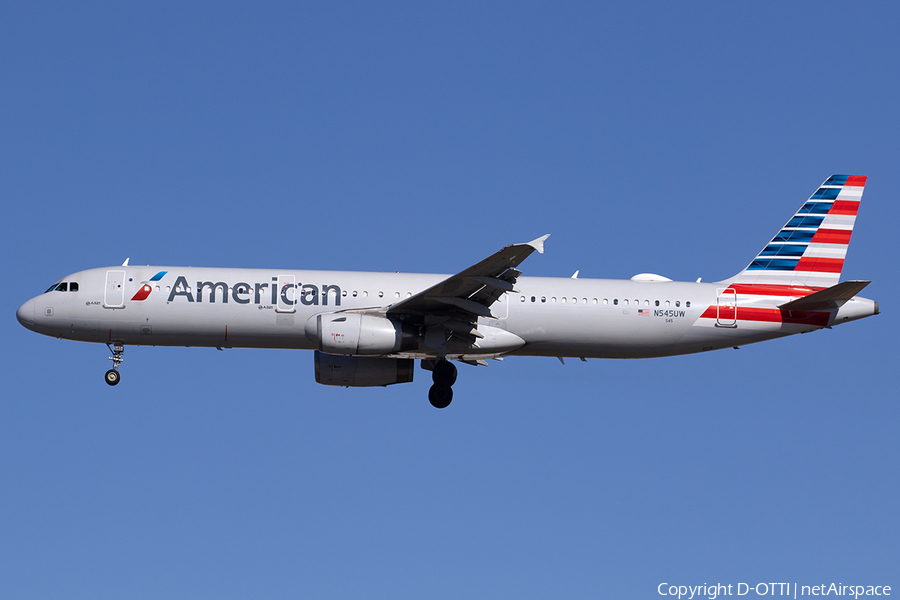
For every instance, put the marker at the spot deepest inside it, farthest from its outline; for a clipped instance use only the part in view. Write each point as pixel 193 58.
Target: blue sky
pixel 674 138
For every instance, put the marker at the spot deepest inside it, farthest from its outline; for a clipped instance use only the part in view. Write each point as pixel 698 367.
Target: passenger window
pixel 543 298
pixel 605 301
pixel 625 302
pixel 553 299
pixel 354 293
pixel 523 298
pixel 533 298
pixel 563 299
pixel 667 303
pixel 687 304
pixel 594 301
pixel 615 301
pixel 656 302
pixel 73 287
pixel 677 303
pixel 365 294
pixel 646 303
pixel 344 293
pixel 396 294
pixel 381 294
pixel 636 303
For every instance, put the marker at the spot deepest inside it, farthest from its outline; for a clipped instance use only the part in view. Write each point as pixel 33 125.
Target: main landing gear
pixel 441 393
pixel 112 376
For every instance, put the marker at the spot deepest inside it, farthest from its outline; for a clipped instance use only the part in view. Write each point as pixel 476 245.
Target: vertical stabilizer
pixel 810 249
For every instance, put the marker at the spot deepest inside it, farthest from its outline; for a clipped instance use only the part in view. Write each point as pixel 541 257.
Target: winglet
pixel 125 264
pixel 538 244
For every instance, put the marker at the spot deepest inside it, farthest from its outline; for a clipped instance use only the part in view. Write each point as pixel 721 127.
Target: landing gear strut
pixel 441 393
pixel 112 376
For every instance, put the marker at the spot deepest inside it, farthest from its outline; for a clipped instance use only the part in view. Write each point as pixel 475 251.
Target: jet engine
pixel 354 334
pixel 362 371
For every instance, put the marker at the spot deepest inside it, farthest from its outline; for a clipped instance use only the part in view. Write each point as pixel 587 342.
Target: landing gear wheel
pixel 444 373
pixel 440 396
pixel 112 377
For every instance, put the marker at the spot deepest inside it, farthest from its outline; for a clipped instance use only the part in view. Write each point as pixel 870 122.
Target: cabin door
pixel 114 293
pixel 726 308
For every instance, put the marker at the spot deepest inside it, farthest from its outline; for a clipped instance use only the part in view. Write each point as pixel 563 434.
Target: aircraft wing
pixel 464 297
pixel 832 297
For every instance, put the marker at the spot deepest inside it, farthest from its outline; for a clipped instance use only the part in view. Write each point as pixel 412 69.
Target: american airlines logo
pixel 147 288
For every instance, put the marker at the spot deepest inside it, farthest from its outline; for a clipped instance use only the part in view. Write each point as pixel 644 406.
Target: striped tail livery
pixel 809 250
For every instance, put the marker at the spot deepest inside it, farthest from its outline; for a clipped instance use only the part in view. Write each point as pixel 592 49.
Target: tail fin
pixel 810 249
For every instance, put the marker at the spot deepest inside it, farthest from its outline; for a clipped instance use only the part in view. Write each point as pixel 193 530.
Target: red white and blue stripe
pixel 805 256
pixel 809 250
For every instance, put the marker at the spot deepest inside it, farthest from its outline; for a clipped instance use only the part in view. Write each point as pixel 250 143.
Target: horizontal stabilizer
pixel 832 297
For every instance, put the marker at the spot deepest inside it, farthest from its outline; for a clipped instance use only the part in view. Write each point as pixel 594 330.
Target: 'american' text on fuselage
pixel 246 293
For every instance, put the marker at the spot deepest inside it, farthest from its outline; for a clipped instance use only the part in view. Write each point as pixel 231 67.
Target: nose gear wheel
pixel 112 376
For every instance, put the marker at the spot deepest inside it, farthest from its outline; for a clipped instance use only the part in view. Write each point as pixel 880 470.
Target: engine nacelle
pixel 356 334
pixel 362 371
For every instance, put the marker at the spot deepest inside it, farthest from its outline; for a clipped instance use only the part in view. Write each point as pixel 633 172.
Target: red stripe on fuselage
pixel 771 315
pixel 761 289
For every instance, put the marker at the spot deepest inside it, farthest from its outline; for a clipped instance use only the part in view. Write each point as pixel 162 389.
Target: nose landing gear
pixel 112 376
pixel 444 375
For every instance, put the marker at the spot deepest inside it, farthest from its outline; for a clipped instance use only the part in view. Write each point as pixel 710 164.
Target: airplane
pixel 367 329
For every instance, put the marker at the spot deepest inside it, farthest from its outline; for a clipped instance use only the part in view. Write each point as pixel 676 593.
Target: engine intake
pixel 357 334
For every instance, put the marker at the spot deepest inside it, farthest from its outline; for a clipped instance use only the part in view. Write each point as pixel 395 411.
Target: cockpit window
pixel 65 286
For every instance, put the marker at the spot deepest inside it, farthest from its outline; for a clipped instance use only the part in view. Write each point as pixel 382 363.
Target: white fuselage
pixel 565 317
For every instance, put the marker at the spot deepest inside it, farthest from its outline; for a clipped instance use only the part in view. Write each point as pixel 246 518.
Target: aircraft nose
pixel 25 314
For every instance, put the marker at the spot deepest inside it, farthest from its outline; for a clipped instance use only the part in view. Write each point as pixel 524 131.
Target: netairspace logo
pixel 713 591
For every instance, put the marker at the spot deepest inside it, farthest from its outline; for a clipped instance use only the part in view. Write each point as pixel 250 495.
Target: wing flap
pixel 467 305
pixel 493 282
